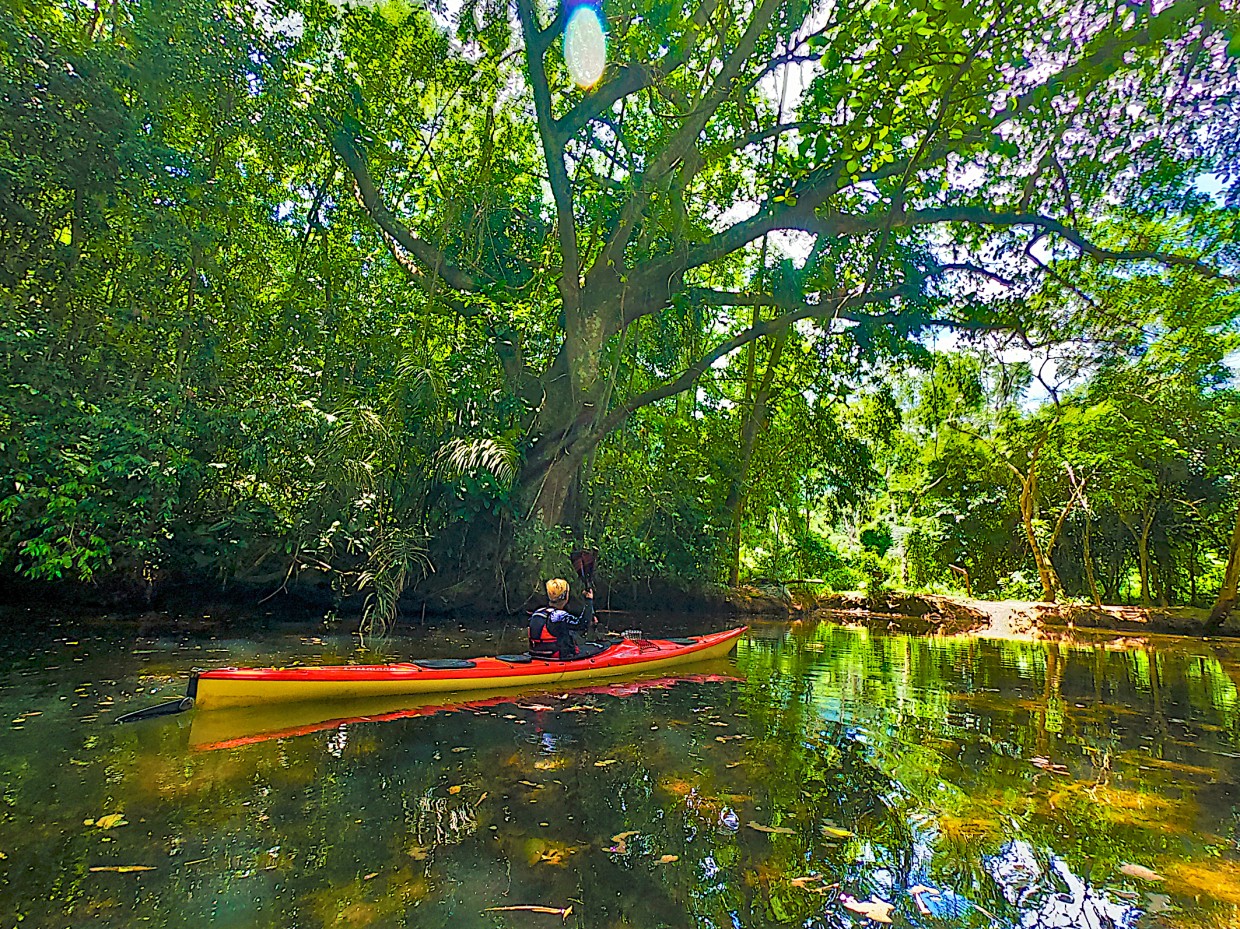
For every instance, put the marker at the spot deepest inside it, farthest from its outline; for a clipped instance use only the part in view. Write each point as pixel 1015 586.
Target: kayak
pixel 233 687
pixel 248 725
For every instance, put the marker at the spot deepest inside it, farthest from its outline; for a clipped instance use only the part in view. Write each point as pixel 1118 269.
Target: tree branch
pixel 431 259
pixel 630 78
pixel 612 253
pixel 980 216
pixel 840 308
pixel 536 44
pixel 828 179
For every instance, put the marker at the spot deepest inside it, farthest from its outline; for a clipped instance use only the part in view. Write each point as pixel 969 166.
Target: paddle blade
pixel 583 563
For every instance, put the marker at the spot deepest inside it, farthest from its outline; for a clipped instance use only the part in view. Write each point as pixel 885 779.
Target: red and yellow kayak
pixel 233 687
pixel 249 725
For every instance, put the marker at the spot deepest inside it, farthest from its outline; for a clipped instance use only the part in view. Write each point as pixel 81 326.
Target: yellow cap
pixel 557 589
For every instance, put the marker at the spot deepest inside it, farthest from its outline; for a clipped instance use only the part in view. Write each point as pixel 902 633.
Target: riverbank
pixel 929 613
pixel 199 609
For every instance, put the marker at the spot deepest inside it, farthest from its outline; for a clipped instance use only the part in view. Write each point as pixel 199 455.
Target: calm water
pixel 1021 784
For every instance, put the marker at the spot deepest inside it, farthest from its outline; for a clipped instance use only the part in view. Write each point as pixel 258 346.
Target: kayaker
pixel 552 627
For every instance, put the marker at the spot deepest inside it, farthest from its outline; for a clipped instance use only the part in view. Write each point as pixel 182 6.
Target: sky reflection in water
pixel 1018 783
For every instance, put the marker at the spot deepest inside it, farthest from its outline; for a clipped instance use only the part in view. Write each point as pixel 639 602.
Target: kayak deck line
pixel 233 687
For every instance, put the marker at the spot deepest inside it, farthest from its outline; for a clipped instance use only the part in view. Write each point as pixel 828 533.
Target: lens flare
pixel 585 46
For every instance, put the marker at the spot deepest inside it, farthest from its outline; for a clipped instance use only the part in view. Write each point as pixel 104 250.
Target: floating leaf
pixel 835 832
pixel 1140 871
pixel 371 876
pixel 877 910
pixel 603 764
pixel 916 892
pixel 123 868
pixel 454 789
pixel 111 821
pixel 621 840
pixel 536 707
pixel 668 859
pixel 773 830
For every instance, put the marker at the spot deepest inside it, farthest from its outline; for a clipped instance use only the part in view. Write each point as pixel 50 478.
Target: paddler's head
pixel 557 592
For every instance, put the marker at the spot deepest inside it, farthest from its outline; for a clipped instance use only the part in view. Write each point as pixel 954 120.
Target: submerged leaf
pixel 877 910
pixel 552 910
pixel 773 830
pixel 1157 903
pixel 1140 871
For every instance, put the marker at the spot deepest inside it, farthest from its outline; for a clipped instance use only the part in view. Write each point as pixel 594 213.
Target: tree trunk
pixel 749 438
pixel 1227 596
pixel 1192 573
pixel 1089 565
pixel 546 493
pixel 1028 513
pixel 1143 565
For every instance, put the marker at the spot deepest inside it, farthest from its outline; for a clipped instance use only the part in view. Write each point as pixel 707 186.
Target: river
pixel 823 776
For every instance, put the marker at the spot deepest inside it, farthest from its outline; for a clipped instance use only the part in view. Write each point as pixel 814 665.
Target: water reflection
pixel 832 775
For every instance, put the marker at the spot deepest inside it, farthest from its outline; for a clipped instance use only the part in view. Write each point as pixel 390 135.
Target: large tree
pixel 940 158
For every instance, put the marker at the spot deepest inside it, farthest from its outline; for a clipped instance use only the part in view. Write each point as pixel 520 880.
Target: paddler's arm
pixel 587 615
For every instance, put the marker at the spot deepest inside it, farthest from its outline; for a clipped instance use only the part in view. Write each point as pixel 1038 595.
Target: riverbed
pixel 822 776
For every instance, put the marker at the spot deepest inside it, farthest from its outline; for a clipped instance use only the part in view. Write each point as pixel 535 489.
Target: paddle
pixel 171 707
pixel 584 561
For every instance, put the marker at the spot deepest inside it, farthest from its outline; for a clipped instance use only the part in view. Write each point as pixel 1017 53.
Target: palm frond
pixel 497 457
pixel 397 561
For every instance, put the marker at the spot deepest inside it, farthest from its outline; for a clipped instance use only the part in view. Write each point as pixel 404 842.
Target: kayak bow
pixel 229 687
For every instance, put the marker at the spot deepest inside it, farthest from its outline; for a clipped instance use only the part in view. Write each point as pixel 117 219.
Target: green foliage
pixel 287 290
pixel 877 574
pixel 876 538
